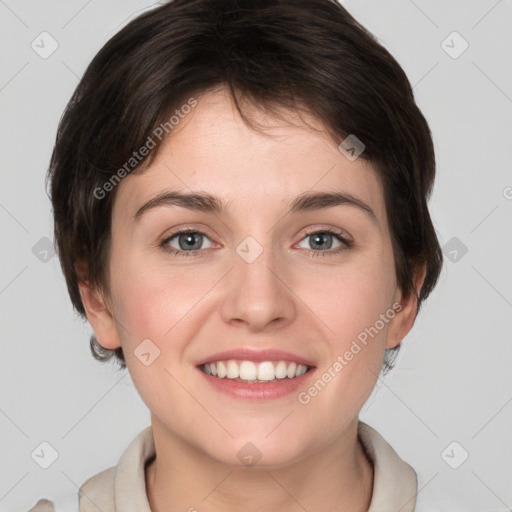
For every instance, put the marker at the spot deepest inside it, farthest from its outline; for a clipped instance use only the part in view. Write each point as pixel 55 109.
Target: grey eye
pixel 188 241
pixel 321 240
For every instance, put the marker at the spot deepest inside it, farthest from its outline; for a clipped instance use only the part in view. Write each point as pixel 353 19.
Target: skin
pixel 288 298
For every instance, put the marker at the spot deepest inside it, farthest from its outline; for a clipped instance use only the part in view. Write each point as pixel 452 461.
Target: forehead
pixel 211 149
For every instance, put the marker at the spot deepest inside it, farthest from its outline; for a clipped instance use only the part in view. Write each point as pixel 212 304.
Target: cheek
pixel 151 305
pixel 351 297
pixel 354 303
pixel 151 300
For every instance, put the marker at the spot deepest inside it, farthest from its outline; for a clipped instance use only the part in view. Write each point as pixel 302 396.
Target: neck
pixel 339 477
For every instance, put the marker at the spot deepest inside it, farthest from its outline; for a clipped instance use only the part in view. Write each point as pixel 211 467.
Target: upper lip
pixel 256 355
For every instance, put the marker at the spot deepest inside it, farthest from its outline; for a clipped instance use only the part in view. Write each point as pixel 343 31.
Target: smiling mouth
pixel 249 371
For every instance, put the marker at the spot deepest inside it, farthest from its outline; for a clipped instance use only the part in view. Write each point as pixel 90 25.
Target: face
pixel 270 282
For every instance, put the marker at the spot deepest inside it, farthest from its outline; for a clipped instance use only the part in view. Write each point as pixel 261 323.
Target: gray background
pixel 452 382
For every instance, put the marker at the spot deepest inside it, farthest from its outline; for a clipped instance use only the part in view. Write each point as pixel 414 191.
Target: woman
pixel 240 198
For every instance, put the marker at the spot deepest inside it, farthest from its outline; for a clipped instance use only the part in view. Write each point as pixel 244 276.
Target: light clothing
pixel 122 488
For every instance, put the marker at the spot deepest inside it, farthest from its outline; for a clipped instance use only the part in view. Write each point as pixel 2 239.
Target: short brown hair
pixel 276 53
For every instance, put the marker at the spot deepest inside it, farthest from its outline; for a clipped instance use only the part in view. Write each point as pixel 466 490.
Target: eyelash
pixel 346 244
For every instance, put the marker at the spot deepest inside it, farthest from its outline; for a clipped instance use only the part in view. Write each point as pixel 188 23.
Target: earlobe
pixel 404 319
pixel 101 319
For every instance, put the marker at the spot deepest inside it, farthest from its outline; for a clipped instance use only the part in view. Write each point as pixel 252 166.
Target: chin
pixel 258 452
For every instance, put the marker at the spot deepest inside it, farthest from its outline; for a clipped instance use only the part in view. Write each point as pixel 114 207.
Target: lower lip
pixel 257 390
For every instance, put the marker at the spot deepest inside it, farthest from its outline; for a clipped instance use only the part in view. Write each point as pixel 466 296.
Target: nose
pixel 258 296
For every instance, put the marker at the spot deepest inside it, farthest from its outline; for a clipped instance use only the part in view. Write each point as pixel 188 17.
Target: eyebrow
pixel 204 202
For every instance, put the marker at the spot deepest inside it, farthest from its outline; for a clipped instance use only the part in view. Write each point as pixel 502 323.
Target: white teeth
pixel 233 372
pixel 291 370
pixel 248 370
pixel 281 370
pixel 301 370
pixel 221 370
pixel 265 371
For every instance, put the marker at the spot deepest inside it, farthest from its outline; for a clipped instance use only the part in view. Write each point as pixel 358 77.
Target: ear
pixel 99 315
pixel 405 316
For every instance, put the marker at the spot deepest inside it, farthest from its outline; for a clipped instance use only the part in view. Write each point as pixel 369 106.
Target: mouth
pixel 248 374
pixel 262 372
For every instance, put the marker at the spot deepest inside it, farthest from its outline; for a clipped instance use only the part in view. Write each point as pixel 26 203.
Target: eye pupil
pixel 190 241
pixel 322 240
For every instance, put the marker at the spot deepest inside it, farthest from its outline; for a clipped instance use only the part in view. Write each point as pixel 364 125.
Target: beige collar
pixel 122 488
